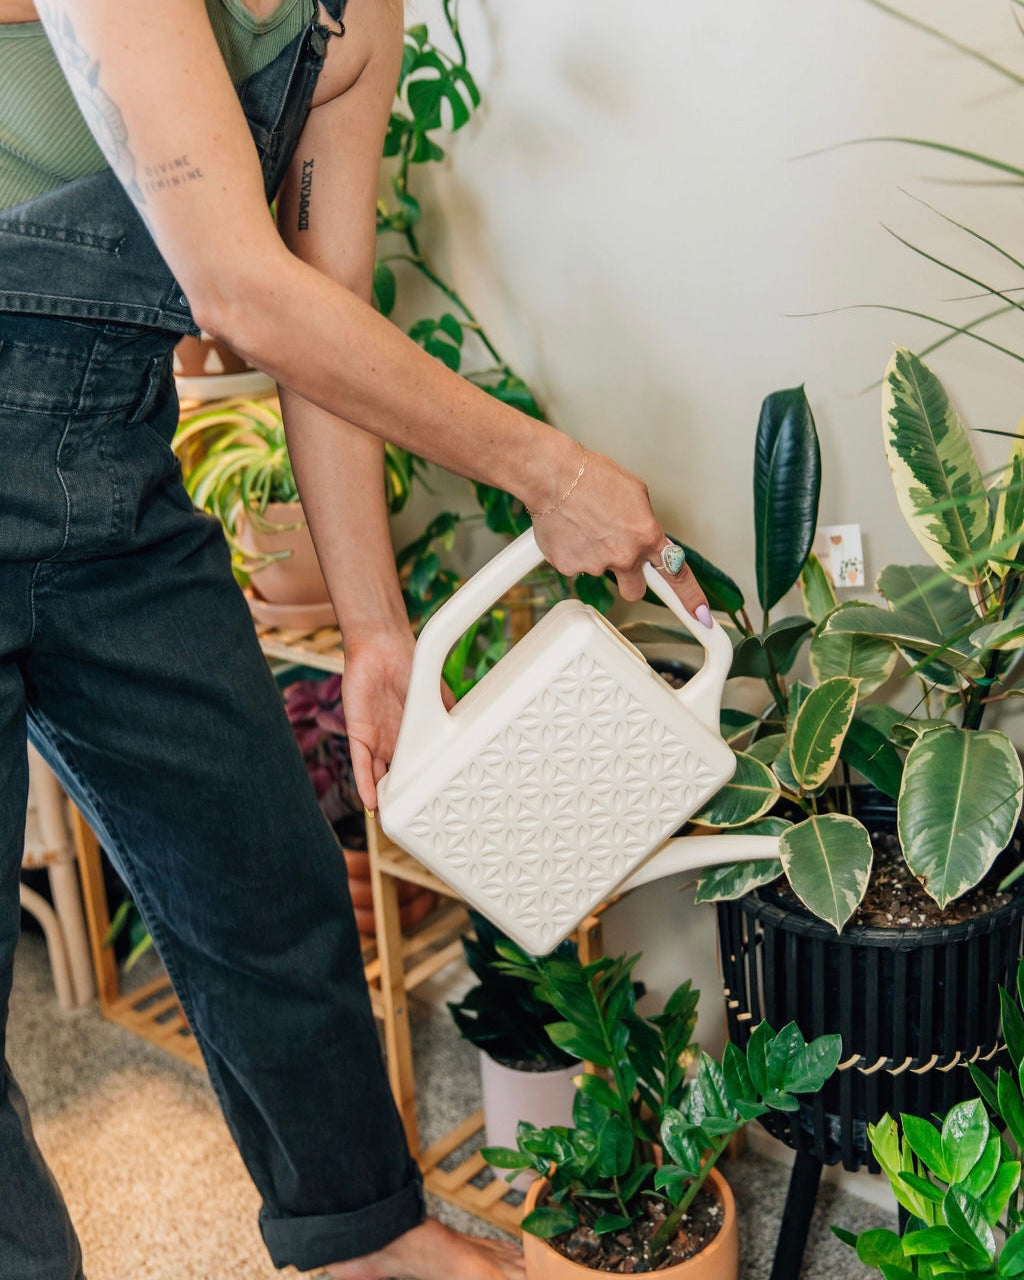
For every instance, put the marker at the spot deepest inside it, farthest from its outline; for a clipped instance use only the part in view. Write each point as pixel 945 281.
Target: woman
pixel 138 150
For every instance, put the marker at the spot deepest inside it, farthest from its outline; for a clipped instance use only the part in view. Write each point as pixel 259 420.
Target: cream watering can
pixel 559 778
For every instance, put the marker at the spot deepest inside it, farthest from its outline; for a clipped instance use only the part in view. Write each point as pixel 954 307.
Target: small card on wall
pixel 838 547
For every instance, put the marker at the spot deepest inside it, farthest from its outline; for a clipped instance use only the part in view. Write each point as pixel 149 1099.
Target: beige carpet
pixel 158 1192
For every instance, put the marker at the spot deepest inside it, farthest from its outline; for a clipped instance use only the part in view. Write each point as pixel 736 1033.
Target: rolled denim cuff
pixel 317 1240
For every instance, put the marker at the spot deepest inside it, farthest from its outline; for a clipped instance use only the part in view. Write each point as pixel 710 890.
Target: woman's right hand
pixel 605 521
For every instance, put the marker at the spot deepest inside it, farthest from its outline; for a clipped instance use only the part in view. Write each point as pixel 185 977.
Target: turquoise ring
pixel 673 557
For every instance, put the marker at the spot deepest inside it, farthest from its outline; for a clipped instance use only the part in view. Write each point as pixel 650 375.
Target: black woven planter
pixel 913 1007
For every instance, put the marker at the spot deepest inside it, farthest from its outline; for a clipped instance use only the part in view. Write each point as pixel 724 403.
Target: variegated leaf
pixel 958 807
pixel 868 658
pixel 816 587
pixel 818 729
pixel 827 859
pixel 749 793
pixel 1009 521
pixel 937 479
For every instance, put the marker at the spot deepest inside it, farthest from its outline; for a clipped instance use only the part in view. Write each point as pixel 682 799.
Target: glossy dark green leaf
pixel 965 1216
pixel 549 1221
pixel 926 1143
pixel 965 1132
pixel 384 288
pixel 879 1245
pixel 773 651
pixel 722 592
pixel 1011 1105
pixel 610 1222
pixel 1012 1026
pixel 868 751
pixel 787 481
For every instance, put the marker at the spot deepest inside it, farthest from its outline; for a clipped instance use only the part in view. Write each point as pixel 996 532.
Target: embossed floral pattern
pixel 562 803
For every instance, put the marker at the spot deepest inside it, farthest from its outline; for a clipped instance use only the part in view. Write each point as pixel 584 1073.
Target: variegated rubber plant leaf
pixel 937 479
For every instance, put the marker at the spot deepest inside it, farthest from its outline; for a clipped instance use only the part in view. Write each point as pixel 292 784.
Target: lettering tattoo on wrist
pixel 305 194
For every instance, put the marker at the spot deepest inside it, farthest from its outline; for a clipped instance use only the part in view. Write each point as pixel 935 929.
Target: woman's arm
pixel 155 91
pixel 326 214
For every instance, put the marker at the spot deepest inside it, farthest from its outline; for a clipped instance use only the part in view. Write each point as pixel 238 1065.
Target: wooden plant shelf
pixel 467 1184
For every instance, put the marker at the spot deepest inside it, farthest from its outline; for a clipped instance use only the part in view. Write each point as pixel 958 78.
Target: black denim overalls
pixel 128 654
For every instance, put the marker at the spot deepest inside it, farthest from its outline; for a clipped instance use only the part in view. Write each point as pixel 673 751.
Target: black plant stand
pixel 913 1007
pixel 796 1216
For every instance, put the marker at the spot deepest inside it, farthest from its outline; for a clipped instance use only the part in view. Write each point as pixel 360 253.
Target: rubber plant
pixel 605 1171
pixel 956 627
pixel 957 1178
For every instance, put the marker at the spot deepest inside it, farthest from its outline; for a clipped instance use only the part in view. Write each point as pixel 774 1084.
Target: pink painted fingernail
pixel 703 616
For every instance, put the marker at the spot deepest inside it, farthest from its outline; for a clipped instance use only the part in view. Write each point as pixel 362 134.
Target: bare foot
pixel 435 1252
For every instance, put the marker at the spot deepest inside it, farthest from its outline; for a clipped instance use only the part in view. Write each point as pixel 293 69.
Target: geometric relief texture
pixel 563 802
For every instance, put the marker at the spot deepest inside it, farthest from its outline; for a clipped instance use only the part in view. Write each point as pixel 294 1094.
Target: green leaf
pixel 965 1132
pixel 787 481
pixel 958 807
pixel 722 592
pixel 773 651
pixel 750 792
pixel 827 859
pixel 1011 1105
pixel 1011 1259
pixel 549 1221
pixel 1012 1026
pixel 816 587
pixel 593 591
pixel 1009 518
pixel 757 1056
pixel 926 1143
pixel 965 1216
pixel 384 288
pixel 980 1178
pixel 615 1147
pixel 810 1066
pixel 868 751
pixel 818 731
pixel 931 1240
pixel 726 883
pixel 610 1222
pixel 506 1158
pixel 1002 1186
pixel 933 465
pixel 879 1245
pixel 868 658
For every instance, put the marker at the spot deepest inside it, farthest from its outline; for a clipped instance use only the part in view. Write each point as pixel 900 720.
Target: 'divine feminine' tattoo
pixel 305 194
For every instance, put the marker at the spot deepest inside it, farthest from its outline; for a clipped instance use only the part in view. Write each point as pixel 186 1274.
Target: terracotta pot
pixel 207 369
pixel 416 909
pixel 295 580
pixel 542 1097
pixel 719 1261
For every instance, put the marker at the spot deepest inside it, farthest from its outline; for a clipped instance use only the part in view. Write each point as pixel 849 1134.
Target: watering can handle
pixel 426 719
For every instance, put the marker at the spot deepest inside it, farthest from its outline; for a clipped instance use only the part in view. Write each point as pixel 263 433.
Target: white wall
pixel 629 220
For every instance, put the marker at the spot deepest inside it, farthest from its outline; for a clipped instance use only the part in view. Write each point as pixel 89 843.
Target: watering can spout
pixel 694 853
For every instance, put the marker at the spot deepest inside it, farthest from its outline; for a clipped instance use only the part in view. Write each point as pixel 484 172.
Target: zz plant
pixel 603 1170
pixel 957 1181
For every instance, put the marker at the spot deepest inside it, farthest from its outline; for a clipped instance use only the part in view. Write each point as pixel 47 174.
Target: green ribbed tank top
pixel 45 142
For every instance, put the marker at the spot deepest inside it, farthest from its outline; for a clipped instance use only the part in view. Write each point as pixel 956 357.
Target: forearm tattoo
pixel 305 194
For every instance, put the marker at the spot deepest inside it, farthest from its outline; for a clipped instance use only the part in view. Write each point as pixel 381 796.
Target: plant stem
pixel 668 1229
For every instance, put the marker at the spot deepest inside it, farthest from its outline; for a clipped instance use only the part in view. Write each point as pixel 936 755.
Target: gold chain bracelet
pixel 537 515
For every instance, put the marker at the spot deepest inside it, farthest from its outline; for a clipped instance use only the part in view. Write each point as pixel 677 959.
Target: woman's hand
pixel 599 517
pixel 373 689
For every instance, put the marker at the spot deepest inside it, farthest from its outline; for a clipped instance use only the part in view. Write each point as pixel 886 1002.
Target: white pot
pixel 542 1097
